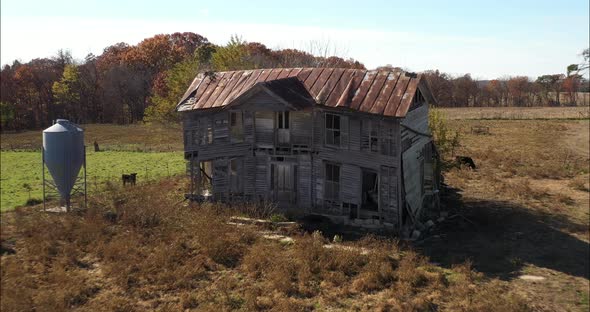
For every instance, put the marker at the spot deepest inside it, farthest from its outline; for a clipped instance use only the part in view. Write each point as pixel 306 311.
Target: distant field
pixel 19 168
pixel 515 113
pixel 138 137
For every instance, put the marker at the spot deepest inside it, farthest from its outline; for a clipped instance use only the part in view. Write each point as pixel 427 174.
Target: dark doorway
pixel 370 190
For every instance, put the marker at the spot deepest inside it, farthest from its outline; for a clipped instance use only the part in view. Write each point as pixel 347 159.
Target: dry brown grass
pixel 517 113
pixel 141 249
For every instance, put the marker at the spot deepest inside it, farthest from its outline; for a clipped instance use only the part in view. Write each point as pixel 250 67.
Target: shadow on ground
pixel 500 237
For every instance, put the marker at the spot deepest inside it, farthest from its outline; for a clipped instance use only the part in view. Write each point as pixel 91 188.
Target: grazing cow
pixel 465 161
pixel 129 178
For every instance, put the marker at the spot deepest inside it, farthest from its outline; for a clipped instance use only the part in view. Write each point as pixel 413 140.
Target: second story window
pixel 283 120
pixel 236 126
pixel 370 135
pixel 333 130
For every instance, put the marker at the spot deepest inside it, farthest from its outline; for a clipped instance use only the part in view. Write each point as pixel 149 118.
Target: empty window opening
pixel 236 125
pixel 370 191
pixel 283 120
pixel 332 184
pixel 333 129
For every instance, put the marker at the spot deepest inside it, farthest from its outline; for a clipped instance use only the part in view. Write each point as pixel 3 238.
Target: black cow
pixel 129 178
pixel 465 161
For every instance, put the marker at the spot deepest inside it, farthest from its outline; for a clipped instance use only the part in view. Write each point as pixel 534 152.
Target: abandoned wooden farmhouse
pixel 352 145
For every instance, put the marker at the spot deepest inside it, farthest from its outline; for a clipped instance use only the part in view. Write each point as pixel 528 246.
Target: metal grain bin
pixel 63 153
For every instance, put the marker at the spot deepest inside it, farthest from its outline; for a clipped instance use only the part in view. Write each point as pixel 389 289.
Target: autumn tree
pixel 548 84
pixel 66 93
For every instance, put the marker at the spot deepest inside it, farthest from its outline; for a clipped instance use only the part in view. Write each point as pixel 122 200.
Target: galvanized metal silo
pixel 64 155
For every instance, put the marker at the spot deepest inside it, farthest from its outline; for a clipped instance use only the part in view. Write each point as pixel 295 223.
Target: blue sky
pixel 488 39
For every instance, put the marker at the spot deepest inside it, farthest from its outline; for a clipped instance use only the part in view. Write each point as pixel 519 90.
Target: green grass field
pixel 19 168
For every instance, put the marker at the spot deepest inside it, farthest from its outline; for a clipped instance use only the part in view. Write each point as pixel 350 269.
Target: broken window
pixel 332 129
pixel 236 166
pixel 332 181
pixel 370 133
pixel 283 120
pixel 236 125
pixel 370 190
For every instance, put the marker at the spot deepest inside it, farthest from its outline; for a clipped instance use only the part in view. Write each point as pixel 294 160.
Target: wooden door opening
pixel 370 190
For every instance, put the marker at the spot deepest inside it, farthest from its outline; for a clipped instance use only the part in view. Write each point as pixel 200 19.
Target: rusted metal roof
pixel 387 93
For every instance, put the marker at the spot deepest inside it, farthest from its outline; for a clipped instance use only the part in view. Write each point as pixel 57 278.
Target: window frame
pixel 331 182
pixel 330 132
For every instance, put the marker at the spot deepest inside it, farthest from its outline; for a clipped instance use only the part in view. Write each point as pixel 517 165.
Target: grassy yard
pixel 138 137
pixel 19 168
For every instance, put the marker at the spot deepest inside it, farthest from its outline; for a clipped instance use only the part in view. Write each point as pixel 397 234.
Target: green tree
pixel 66 92
pixel 445 139
pixel 233 56
pixel 7 114
pixel 167 93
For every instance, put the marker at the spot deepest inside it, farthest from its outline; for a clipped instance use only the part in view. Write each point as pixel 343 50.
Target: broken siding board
pixel 374 91
pixel 417 119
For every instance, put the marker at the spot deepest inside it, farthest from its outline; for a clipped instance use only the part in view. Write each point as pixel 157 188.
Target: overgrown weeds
pixel 143 249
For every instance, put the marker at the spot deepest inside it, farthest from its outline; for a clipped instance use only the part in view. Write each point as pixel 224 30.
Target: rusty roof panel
pixel 374 91
pixel 313 76
pixel 284 73
pixel 407 97
pixel 329 85
pixel 362 90
pixel 386 93
pixel 340 87
pixel 395 99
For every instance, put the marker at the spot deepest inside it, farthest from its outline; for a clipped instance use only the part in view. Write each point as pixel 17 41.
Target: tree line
pixel 131 83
